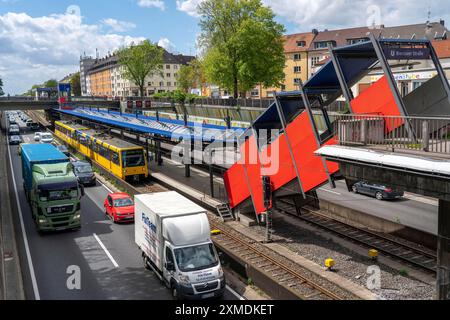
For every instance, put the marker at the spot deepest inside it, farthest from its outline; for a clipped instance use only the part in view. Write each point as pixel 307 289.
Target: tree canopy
pixel 243 44
pixel 75 84
pixel 190 76
pixel 52 83
pixel 1 88
pixel 139 61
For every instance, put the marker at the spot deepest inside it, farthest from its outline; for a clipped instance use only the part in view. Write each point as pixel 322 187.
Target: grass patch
pixel 403 272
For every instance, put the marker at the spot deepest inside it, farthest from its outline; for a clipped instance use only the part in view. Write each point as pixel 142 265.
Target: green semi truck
pixel 51 188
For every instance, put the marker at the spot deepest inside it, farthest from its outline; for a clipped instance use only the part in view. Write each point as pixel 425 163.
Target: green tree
pixel 140 61
pixel 1 88
pixel 52 83
pixel 75 83
pixel 243 44
pixel 191 76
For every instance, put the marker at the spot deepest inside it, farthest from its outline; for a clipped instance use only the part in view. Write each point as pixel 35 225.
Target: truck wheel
pixel 146 263
pixel 175 292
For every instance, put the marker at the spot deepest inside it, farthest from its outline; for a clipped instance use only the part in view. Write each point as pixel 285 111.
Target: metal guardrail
pixel 426 134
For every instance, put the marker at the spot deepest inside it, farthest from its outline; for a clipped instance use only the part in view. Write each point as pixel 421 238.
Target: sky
pixel 43 39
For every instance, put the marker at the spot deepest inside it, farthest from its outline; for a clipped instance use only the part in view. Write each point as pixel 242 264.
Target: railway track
pixel 412 255
pixel 307 285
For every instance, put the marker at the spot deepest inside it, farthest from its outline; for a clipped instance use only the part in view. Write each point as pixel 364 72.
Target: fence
pixel 426 134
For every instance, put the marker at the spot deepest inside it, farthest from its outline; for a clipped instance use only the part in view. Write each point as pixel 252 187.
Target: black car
pixel 64 150
pixel 83 171
pixel 378 191
pixel 15 139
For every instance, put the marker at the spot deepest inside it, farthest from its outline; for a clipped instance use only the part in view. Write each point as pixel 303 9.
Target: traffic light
pixel 267 187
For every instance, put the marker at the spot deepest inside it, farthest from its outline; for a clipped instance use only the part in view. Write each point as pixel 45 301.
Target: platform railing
pixel 424 134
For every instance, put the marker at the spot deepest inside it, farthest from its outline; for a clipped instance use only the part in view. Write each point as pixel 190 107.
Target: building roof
pixel 341 37
pixel 442 48
pixel 430 31
pixel 290 43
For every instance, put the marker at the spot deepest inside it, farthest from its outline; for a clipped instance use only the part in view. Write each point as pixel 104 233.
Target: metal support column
pixel 394 89
pixel 159 155
pixel 187 159
pixel 344 87
pixel 211 175
pixel 443 252
pixel 294 162
pixel 316 133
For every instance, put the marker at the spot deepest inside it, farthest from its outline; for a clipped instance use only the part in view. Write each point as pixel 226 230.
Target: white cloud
pixel 152 4
pixel 166 44
pixel 320 14
pixel 189 6
pixel 306 14
pixel 34 49
pixel 118 26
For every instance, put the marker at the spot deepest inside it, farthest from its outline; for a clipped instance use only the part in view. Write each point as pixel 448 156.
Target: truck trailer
pixel 174 236
pixel 51 188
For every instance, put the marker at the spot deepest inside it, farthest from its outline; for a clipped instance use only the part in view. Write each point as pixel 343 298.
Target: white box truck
pixel 174 236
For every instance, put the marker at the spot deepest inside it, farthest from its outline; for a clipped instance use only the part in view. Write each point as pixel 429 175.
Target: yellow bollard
pixel 373 254
pixel 330 263
pixel 216 232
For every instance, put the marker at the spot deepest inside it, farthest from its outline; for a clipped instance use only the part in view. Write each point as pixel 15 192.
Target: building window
pixel 255 93
pixel 174 84
pixel 297 56
pixel 167 66
pixel 175 67
pixel 168 75
pixel 357 40
pixel 301 44
pixel 315 60
pixel 175 75
pixel 161 84
pixel 297 81
pixel 297 69
pixel 283 87
pixel 169 84
pixel 324 44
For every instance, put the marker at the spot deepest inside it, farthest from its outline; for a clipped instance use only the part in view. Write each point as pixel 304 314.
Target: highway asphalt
pixel 109 261
pixel 420 213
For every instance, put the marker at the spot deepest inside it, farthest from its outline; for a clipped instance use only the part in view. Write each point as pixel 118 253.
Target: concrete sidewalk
pixel 11 283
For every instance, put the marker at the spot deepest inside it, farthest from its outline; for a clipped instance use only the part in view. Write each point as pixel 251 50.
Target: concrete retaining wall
pixel 361 219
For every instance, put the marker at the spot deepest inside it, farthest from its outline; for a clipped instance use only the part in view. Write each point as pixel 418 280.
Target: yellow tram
pixel 123 159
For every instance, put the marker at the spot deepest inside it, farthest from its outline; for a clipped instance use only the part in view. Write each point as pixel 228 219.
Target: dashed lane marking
pixel 106 251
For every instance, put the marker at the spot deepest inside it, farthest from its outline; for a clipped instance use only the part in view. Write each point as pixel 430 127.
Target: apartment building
pixel 105 78
pixel 86 64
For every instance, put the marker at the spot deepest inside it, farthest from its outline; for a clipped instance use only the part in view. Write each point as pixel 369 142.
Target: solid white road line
pixel 237 295
pixel 330 191
pixel 24 234
pixel 108 189
pixel 106 251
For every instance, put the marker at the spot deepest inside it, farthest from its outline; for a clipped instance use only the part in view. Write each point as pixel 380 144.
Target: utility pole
pixel 267 189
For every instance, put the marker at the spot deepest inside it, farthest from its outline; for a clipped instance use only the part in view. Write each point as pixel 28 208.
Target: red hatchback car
pixel 120 207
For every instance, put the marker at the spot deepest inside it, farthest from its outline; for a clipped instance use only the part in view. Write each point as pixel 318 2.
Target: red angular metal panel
pixel 378 99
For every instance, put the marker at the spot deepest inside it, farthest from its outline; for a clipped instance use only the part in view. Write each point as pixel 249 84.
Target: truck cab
pixel 173 234
pixel 51 188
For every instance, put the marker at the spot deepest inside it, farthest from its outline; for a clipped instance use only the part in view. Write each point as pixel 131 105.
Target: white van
pixel 174 236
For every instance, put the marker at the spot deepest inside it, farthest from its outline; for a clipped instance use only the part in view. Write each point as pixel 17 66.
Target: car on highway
pixel 34 126
pixel 12 120
pixel 14 129
pixel 15 140
pixel 120 207
pixel 83 171
pixel 46 137
pixel 37 136
pixel 64 150
pixel 380 192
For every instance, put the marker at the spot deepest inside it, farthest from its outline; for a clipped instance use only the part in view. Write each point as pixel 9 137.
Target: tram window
pixel 115 158
pixel 104 152
pixel 133 158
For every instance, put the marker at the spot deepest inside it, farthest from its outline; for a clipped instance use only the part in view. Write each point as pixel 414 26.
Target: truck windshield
pixel 133 158
pixel 196 258
pixel 58 192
